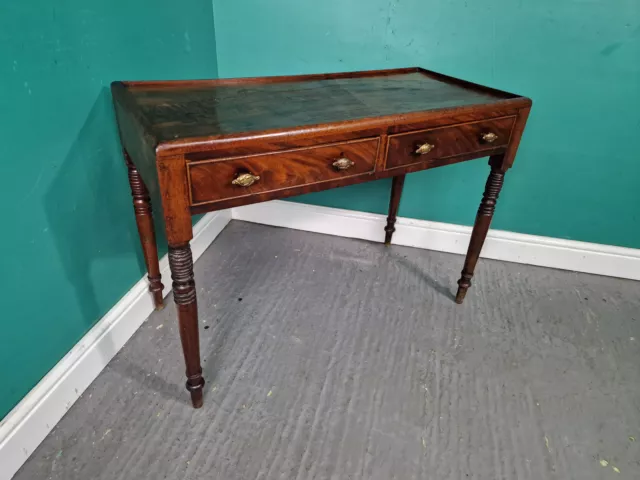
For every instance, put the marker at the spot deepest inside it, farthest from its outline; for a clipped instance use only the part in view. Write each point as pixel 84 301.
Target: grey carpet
pixel 332 358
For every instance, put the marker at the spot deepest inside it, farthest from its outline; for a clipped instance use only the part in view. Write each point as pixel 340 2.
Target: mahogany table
pixel 207 145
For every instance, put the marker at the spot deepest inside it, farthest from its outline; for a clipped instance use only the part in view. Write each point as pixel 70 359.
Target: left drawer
pixel 220 179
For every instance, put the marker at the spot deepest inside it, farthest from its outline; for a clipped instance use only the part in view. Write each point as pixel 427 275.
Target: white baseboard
pixel 22 430
pixel 512 247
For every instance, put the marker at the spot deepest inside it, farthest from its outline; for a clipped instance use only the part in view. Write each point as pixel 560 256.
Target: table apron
pixel 326 185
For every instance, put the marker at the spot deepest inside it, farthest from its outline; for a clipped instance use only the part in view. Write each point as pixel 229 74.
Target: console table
pixel 207 145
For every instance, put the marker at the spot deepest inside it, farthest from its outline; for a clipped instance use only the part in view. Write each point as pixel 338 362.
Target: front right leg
pixel 482 223
pixel 172 175
pixel 184 295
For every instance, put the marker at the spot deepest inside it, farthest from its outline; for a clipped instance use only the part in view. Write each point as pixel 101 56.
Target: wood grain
pixel 516 136
pixel 340 182
pixel 174 188
pixel 448 141
pixel 211 181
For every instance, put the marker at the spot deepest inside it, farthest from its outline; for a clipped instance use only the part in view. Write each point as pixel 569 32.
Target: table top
pixel 176 110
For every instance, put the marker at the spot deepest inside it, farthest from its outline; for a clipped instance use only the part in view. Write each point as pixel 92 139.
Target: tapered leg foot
pixel 197 398
pixel 146 231
pixel 156 288
pixel 184 295
pixel 463 285
pixel 389 230
pixel 394 203
pixel 388 235
pixel 481 225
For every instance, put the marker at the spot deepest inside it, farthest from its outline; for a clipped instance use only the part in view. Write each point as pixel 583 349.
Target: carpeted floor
pixel 331 358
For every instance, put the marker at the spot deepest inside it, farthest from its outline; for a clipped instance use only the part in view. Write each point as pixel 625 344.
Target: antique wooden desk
pixel 213 144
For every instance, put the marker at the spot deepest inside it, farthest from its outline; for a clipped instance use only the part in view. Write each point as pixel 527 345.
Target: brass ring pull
pixel 245 180
pixel 489 137
pixel 424 149
pixel 343 164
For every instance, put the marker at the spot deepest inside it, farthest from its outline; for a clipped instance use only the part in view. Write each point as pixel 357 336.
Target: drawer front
pixel 443 142
pixel 222 179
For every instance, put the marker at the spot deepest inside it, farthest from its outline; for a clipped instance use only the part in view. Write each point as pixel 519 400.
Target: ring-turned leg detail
pixel 184 295
pixel 481 226
pixel 146 231
pixel 394 203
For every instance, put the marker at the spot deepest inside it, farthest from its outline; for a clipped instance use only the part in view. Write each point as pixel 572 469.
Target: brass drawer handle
pixel 489 137
pixel 424 148
pixel 343 164
pixel 245 180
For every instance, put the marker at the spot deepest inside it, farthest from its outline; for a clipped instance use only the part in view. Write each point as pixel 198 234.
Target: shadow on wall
pixel 90 214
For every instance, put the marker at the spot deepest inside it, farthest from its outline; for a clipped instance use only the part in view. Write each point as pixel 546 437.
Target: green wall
pixel 577 175
pixel 69 245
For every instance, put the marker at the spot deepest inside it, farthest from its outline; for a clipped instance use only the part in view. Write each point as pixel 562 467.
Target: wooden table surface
pixel 180 110
pixel 205 145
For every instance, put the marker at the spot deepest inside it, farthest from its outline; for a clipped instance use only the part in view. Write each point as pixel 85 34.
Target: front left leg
pixel 184 295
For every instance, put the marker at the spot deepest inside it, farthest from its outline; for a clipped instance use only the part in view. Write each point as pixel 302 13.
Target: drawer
pixel 443 142
pixel 218 179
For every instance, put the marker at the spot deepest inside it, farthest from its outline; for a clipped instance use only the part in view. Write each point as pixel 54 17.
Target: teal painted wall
pixel 577 175
pixel 68 242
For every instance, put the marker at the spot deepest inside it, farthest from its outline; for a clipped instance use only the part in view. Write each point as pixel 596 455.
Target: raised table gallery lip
pixel 273 78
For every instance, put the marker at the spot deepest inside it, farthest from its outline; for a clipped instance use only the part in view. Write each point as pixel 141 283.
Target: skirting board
pixel 508 246
pixel 22 430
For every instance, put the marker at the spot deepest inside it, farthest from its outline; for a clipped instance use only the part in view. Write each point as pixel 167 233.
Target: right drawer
pixel 444 142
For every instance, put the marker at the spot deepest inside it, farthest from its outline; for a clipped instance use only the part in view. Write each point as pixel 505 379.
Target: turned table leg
pixel 146 231
pixel 184 295
pixel 482 223
pixel 396 193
